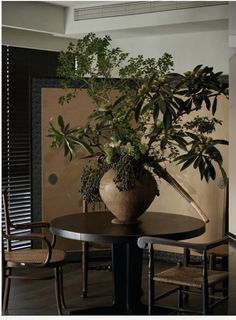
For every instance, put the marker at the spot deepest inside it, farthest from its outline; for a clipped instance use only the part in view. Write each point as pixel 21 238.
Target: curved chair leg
pixel 205 301
pixel 3 283
pixel 58 290
pixel 84 269
pixel 62 288
pixel 225 265
pixel 180 298
pixel 7 284
pixel 212 266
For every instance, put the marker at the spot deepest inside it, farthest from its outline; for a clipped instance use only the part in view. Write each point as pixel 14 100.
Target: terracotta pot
pixel 127 206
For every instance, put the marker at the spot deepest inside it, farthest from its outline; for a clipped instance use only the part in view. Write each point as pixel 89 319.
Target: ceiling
pixel 174 17
pixel 173 29
pixel 80 4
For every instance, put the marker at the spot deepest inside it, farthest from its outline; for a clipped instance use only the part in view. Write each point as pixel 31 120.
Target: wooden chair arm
pixel 31 225
pixel 143 242
pixel 36 224
pixel 33 237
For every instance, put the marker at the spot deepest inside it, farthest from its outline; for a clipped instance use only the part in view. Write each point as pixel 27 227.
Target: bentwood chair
pixel 87 247
pixel 44 258
pixel 196 280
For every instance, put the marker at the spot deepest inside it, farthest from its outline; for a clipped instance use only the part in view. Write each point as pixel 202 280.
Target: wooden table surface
pixel 97 226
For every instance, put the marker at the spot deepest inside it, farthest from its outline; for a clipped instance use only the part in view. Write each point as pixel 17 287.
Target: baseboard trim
pixel 165 256
pixel 232 239
pixel 232 236
pixel 76 256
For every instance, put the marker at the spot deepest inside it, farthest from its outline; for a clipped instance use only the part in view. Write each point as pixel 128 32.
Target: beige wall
pixel 232 157
pixel 64 198
pixel 209 196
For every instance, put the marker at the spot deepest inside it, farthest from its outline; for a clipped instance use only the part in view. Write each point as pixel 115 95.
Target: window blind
pixel 19 67
pixel 16 155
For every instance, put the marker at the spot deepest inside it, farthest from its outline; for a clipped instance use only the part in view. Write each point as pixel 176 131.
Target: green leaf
pixel 180 103
pixel 162 105
pixel 198 67
pixel 118 101
pixel 193 136
pixel 188 163
pixel 188 104
pixel 220 141
pixel 185 157
pixel 179 85
pixel 201 168
pixel 181 142
pixel 167 120
pixel 207 174
pixel 224 175
pixel 61 122
pixel 67 127
pixel 211 169
pixel 86 146
pixel 151 79
pixel 198 102
pixel 182 92
pixel 197 162
pixel 138 109
pixel 56 132
pixel 207 102
pixel 156 132
pixel 166 90
pixel 62 100
pixel 163 143
pixel 215 154
pixel 69 148
pixel 156 112
pixel 175 75
pixel 214 106
pixel 146 107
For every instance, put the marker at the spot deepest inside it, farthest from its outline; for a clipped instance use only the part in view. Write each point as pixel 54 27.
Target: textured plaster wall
pixel 63 196
pixel 232 154
pixel 209 196
pixel 187 48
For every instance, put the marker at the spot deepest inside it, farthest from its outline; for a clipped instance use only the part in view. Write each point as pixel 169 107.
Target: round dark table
pixel 126 255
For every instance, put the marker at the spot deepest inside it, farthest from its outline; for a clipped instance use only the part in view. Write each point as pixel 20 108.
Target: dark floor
pixel 37 297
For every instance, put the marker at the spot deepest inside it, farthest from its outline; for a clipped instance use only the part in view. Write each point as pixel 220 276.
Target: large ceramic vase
pixel 127 206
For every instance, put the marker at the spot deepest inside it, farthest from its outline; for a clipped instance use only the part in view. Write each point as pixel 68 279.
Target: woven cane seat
pixel 187 276
pixel 34 256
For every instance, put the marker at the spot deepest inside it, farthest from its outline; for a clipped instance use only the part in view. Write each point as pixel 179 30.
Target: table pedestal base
pixel 127 277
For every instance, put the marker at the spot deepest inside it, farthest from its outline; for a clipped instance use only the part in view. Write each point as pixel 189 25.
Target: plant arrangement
pixel 147 124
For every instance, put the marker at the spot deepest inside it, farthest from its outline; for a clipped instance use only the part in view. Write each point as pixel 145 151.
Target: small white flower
pixel 114 143
pixel 128 145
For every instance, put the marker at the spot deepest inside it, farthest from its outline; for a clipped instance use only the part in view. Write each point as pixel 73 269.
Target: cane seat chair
pixel 196 280
pixel 88 247
pixel 218 256
pixel 45 257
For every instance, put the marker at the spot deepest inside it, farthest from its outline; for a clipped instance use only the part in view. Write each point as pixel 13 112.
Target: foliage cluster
pixel 147 124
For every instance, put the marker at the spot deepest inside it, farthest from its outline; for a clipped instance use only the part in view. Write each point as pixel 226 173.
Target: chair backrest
pixel 98 206
pixel 6 227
